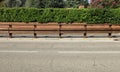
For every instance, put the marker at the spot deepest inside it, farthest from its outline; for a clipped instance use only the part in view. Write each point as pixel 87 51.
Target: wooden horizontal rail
pixel 58 29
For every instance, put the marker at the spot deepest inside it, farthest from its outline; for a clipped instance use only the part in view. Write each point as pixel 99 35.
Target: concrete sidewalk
pixel 59 55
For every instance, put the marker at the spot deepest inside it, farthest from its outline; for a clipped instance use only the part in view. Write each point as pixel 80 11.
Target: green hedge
pixel 60 15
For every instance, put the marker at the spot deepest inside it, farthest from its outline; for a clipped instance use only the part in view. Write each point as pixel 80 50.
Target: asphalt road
pixel 57 56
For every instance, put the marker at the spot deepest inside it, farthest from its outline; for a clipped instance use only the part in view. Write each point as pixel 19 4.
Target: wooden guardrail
pixel 58 29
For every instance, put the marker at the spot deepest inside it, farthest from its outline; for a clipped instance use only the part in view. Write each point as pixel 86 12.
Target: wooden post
pixel 60 34
pixel 110 33
pixel 85 34
pixel 10 34
pixel 35 34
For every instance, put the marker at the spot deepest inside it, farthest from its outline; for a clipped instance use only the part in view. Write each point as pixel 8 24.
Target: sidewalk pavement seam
pixel 59 39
